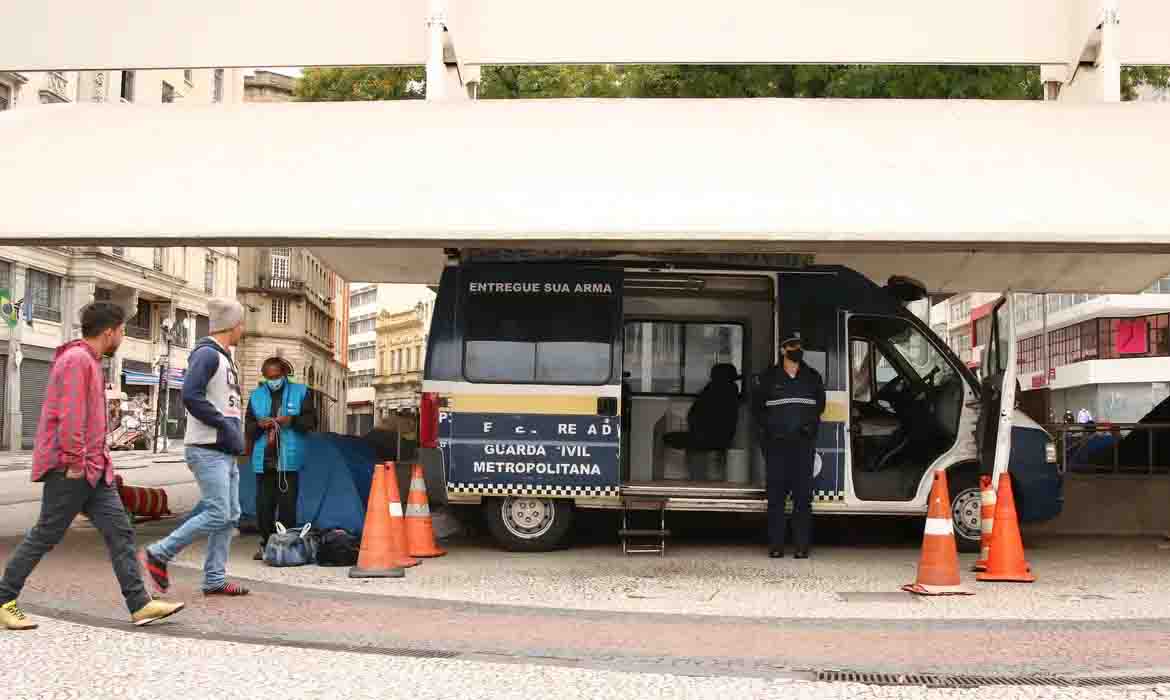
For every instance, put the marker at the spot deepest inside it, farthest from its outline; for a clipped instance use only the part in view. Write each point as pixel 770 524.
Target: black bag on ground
pixel 338 548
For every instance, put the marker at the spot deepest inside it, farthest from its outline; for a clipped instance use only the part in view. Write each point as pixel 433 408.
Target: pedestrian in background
pixel 787 401
pixel 280 413
pixel 72 460
pixel 213 439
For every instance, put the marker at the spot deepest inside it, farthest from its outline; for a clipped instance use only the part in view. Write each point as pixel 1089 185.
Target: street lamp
pixel 171 332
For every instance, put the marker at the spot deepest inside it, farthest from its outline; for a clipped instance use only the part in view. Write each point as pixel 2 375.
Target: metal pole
pixel 436 68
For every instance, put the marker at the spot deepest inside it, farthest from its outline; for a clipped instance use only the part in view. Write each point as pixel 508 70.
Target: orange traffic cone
pixel 400 552
pixel 987 521
pixel 420 532
pixel 375 559
pixel 1006 561
pixel 938 569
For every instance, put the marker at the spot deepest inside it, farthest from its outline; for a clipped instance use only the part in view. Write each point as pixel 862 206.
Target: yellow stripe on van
pixel 835 412
pixel 536 404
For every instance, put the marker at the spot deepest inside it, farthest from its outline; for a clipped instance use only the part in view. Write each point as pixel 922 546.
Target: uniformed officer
pixel 787 402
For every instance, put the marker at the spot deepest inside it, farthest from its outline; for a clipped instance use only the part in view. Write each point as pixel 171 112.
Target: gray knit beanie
pixel 225 314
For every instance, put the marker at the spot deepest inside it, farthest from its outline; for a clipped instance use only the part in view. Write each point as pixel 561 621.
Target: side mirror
pixel 905 289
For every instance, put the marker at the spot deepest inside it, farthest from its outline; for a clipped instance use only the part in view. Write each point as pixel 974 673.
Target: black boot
pixel 801 554
pixel 776 553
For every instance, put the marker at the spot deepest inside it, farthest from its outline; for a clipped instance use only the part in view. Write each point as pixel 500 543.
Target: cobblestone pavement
pixel 76 580
pixel 43 665
pixel 1079 579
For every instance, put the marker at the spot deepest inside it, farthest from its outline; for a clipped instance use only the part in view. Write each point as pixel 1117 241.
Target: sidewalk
pixel 123 460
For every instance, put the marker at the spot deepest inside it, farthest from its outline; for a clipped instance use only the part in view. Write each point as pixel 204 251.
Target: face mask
pixel 795 355
pixel 275 384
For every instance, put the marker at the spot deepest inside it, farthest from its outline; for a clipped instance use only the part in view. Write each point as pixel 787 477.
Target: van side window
pixel 537 339
pixel 665 357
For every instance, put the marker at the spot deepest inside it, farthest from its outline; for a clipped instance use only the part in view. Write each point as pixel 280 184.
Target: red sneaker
pixel 228 589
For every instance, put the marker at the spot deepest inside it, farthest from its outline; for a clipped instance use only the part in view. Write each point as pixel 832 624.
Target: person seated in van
pixel 712 418
pixel 280 413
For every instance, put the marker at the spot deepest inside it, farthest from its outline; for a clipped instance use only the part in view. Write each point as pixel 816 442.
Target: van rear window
pixel 537 337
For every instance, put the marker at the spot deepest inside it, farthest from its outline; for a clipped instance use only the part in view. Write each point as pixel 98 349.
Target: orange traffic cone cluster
pixel 392 539
pixel 938 569
pixel 1006 561
pixel 1002 557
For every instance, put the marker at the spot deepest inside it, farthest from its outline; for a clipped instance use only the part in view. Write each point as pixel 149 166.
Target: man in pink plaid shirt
pixel 73 462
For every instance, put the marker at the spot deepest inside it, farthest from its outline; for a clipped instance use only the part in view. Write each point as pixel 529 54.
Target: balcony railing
pixel 138 332
pixel 44 313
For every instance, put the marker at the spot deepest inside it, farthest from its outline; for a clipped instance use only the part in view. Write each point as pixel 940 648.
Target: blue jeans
pixel 216 516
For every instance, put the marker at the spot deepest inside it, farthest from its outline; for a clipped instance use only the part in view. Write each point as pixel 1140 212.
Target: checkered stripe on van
pixel 819 495
pixel 528 490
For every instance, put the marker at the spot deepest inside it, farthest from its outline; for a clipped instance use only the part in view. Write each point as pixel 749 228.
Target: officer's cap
pixel 790 335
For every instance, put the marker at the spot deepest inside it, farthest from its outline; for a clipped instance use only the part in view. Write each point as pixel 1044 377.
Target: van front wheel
pixel 966 511
pixel 527 524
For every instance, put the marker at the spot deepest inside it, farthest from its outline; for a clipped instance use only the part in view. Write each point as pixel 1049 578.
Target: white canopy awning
pixel 962 194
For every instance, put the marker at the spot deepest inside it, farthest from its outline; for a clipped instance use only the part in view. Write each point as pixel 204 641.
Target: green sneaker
pixel 13 618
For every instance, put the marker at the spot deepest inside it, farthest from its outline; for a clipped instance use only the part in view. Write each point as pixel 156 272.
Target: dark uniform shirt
pixel 788 407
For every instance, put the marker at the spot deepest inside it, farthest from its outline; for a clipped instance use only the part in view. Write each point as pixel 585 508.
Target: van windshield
pixel 539 337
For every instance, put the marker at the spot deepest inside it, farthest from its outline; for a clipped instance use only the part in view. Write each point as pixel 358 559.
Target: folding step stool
pixel 643 541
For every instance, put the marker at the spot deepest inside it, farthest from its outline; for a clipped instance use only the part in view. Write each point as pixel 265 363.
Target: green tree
pixel 858 81
pixel 357 84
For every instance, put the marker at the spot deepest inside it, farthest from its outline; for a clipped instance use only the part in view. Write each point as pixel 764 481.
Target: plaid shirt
pixel 71 435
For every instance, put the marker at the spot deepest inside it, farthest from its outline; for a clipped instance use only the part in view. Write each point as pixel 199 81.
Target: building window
pixel 961 309
pixel 217 86
pixel 280 311
pixel 158 259
pixel 140 325
pixel 44 291
pixel 1162 286
pixel 361 379
pixel 209 276
pixel 365 297
pixel 363 324
pixel 361 351
pixel 168 93
pixel 5 97
pixel 5 274
pixel 281 267
pixel 676 358
pixel 127 92
pixel 189 76
pixel 120 252
pixel 202 326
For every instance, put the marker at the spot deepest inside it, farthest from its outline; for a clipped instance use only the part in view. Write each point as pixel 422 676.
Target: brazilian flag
pixel 8 312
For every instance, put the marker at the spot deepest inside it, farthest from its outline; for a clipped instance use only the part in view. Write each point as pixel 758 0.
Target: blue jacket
pixel 291 447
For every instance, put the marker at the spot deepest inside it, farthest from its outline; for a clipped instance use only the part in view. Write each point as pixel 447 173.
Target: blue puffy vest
pixel 291 455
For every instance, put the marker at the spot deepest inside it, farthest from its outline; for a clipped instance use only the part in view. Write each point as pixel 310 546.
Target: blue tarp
pixel 334 483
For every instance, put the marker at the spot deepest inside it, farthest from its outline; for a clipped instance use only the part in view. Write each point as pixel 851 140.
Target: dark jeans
pixel 790 468
pixel 62 500
pixel 274 504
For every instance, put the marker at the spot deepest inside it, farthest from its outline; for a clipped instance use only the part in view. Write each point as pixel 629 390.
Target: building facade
pixel 366 302
pixel 266 86
pixel 296 310
pixel 161 288
pixel 402 351
pixel 157 286
pixel 1109 353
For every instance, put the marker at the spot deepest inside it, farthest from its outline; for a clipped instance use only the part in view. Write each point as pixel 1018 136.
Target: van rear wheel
pixel 529 524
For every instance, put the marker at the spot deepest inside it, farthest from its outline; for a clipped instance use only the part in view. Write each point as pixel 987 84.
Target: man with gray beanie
pixel 215 437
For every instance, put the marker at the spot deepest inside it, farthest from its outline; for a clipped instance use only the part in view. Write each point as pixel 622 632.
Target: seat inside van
pixel 905 407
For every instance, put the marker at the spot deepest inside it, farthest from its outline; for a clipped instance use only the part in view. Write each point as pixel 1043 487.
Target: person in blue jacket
pixel 280 413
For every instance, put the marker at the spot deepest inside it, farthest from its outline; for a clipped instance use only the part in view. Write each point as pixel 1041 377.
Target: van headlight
pixel 1050 452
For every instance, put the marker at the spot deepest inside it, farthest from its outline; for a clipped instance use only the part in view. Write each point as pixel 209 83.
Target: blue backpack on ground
pixel 291 547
